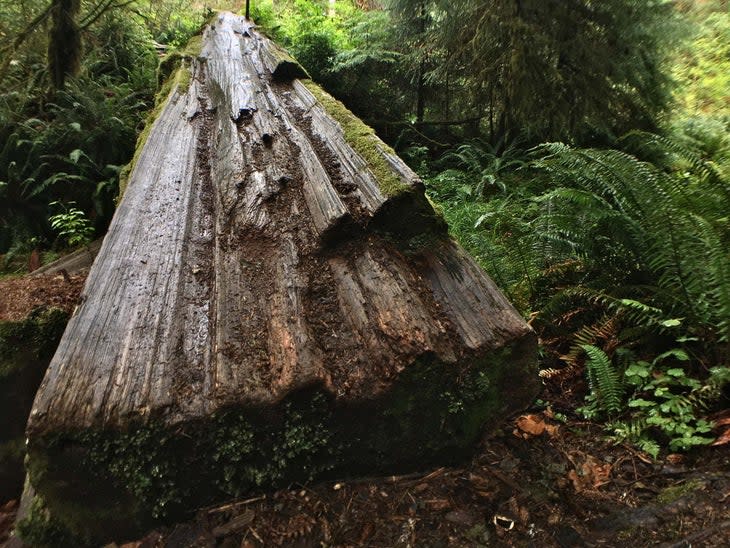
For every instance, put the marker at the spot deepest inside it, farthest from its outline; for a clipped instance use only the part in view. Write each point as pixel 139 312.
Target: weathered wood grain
pixel 254 270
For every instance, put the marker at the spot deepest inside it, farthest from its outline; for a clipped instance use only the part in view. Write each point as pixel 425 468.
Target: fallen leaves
pixel 22 295
pixel 533 425
pixel 589 473
pixel 722 426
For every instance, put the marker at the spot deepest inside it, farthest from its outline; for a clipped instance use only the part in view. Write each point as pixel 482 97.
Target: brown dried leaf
pixel 590 474
pixel 531 424
pixel 578 483
pixel 723 438
pixel 675 458
pixel 534 425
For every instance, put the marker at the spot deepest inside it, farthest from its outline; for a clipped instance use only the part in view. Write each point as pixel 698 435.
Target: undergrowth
pixel 619 256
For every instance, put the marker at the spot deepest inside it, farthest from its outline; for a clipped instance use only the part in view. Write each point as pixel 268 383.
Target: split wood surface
pixel 244 263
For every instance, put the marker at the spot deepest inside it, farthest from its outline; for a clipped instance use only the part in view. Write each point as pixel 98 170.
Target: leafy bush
pixel 72 225
pixel 174 22
pixel 352 53
pixel 659 237
pixel 665 402
pixel 614 256
pixel 487 165
pixel 73 153
pixel 68 146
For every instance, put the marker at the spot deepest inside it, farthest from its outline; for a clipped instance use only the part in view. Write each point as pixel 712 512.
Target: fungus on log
pixel 275 301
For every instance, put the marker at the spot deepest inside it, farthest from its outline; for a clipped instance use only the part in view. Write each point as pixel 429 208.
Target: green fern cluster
pixel 651 239
pixel 606 383
pixel 68 145
pixel 487 165
pixel 653 404
pixel 621 252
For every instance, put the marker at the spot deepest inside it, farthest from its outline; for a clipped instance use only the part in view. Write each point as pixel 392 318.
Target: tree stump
pixel 276 301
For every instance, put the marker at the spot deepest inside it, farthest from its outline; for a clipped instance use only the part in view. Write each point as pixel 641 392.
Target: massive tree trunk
pixel 275 301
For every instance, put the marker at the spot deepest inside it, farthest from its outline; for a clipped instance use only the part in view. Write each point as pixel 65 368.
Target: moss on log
pixel 26 348
pixel 275 302
pixel 363 140
pixel 173 76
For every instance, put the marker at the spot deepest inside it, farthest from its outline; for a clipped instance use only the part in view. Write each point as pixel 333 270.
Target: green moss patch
pixel 363 141
pixel 287 68
pixel 408 216
pixel 42 530
pixel 26 349
pixel 152 472
pixel 673 493
pixel 34 338
pixel 173 73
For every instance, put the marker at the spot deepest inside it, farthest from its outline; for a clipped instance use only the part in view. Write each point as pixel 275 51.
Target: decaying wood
pixel 255 257
pixel 75 262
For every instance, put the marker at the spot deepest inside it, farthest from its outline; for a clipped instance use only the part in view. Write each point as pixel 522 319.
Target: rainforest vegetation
pixel 578 149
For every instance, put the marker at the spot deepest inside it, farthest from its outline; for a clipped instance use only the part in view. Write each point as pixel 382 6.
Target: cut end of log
pixel 275 301
pixel 129 479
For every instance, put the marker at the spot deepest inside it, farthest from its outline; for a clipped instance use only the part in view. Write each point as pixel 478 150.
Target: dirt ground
pixel 20 295
pixel 536 482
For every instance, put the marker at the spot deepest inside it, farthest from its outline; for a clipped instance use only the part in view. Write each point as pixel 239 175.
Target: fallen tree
pixel 275 301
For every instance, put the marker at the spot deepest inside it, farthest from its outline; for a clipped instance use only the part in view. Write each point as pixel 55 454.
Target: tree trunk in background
pixel 421 83
pixel 64 47
pixel 420 97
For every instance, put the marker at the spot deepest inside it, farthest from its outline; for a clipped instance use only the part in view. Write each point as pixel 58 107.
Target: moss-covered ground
pixel 26 348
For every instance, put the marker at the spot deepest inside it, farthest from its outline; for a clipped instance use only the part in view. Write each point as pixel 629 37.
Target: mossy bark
pixel 113 484
pixel 173 76
pixel 26 348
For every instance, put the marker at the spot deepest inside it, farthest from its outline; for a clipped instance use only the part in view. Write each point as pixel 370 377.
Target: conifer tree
pixel 548 69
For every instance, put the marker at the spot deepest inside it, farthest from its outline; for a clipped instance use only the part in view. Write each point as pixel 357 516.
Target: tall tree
pixel 550 69
pixel 413 24
pixel 64 47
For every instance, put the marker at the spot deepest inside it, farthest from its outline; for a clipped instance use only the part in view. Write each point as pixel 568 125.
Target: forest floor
pixel 19 295
pixel 535 482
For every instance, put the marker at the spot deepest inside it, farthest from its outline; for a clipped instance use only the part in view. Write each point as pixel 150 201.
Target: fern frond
pixel 604 330
pixel 643 141
pixel 604 380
